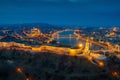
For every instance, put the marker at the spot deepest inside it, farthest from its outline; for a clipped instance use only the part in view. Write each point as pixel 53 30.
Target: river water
pixel 64 39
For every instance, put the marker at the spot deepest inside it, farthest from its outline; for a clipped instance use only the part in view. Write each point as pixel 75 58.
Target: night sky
pixel 61 12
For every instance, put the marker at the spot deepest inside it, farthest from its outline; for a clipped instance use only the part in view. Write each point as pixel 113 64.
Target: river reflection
pixel 64 39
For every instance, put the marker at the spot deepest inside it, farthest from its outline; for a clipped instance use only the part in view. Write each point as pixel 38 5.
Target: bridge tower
pixel 117 47
pixel 87 45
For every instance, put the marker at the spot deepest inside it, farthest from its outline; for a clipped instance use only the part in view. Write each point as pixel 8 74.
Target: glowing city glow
pixel 95 52
pixel 19 70
pixel 101 64
pixel 80 45
pixel 90 58
pixel 59 39
pixel 115 74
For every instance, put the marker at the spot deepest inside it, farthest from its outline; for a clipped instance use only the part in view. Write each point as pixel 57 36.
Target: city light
pixel 80 45
pixel 115 74
pixel 90 58
pixel 60 40
pixel 89 48
pixel 101 64
pixel 19 70
pixel 72 52
pixel 28 79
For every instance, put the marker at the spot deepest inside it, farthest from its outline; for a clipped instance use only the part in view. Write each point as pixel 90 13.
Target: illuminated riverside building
pixel 115 29
pixel 34 32
pixel 117 47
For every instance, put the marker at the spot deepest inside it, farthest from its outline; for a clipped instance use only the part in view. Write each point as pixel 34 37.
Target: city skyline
pixel 61 12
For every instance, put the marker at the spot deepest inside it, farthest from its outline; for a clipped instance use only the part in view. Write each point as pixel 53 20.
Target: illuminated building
pixel 101 64
pixel 115 29
pixel 112 34
pixel 19 70
pixel 34 32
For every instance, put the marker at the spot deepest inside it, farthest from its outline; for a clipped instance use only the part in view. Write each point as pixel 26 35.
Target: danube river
pixel 68 38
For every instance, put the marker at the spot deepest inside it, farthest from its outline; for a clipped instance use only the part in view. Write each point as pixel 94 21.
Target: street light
pixel 90 58
pixel 19 70
pixel 101 64
pixel 72 52
pixel 115 74
pixel 80 45
pixel 28 79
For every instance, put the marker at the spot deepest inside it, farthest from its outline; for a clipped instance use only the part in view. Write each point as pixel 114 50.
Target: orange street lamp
pixel 19 70
pixel 101 64
pixel 80 45
pixel 90 58
pixel 72 52
pixel 115 74
pixel 28 79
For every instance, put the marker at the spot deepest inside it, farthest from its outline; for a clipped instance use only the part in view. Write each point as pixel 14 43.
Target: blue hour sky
pixel 61 12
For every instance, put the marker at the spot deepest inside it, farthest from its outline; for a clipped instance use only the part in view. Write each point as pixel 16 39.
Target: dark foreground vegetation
pixel 21 65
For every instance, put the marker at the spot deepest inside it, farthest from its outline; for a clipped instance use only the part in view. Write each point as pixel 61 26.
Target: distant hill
pixel 44 27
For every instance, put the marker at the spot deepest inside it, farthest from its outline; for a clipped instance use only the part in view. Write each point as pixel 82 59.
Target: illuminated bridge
pixel 65 36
